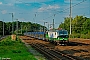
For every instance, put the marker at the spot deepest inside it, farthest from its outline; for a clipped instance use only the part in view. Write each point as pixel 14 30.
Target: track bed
pixel 73 51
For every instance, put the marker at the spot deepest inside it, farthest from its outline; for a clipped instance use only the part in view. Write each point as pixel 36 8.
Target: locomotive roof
pixel 56 30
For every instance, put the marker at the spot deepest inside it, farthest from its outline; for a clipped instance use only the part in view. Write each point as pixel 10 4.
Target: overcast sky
pixel 40 11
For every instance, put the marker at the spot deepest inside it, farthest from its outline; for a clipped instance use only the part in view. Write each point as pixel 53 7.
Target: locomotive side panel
pixel 52 34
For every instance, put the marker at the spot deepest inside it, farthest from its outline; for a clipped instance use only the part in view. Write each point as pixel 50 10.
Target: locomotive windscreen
pixel 63 32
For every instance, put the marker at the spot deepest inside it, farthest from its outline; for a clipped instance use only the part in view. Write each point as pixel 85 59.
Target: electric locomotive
pixel 58 36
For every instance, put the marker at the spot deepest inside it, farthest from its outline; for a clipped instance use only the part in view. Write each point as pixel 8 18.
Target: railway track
pixel 45 52
pixel 51 53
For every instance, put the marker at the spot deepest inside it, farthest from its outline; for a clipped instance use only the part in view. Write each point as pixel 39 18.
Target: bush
pixel 83 36
pixel 9 42
pixel 87 36
pixel 16 51
pixel 74 36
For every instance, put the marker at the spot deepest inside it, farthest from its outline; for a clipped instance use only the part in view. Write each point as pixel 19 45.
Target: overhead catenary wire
pixel 54 9
pixel 35 6
pixel 66 9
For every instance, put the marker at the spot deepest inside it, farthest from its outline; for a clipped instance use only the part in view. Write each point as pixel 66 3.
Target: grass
pixel 14 50
pixel 36 53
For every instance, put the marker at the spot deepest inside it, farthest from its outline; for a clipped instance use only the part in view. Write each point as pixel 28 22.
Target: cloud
pixel 6 4
pixel 4 11
pixel 31 1
pixel 27 4
pixel 9 4
pixel 49 7
pixel 25 1
pixel 0 3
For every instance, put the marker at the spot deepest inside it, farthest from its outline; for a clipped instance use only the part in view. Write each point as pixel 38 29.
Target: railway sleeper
pixel 67 55
pixel 46 52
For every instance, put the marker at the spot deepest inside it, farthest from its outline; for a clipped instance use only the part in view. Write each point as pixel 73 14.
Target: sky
pixel 40 11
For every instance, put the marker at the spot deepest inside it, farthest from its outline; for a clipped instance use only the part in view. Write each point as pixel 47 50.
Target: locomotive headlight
pixel 66 36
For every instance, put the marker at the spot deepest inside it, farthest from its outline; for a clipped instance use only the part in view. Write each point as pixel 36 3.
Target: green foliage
pixel 6 42
pixel 75 35
pixel 22 27
pixel 83 36
pixel 14 50
pixel 80 26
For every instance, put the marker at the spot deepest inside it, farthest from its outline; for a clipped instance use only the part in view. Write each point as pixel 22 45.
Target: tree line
pixel 80 26
pixel 19 27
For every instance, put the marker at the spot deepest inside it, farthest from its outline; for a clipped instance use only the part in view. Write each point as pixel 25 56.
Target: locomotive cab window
pixel 55 33
pixel 47 33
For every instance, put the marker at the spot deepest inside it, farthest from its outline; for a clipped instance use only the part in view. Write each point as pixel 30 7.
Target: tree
pixel 79 24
